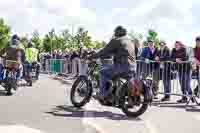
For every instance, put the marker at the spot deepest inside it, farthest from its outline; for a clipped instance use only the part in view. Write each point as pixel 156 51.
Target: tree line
pixel 64 39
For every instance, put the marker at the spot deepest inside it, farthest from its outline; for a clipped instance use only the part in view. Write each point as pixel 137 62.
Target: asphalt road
pixel 45 108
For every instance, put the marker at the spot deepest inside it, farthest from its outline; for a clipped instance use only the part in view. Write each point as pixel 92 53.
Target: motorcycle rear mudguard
pixel 148 93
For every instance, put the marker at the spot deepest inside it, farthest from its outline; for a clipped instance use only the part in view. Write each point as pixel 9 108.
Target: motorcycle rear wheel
pixel 125 105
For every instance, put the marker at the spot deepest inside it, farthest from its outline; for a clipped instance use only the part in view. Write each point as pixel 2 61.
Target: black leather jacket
pixel 122 49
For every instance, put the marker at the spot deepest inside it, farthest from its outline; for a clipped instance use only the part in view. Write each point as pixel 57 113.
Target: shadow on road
pixel 62 80
pixel 189 108
pixel 159 103
pixel 70 111
pixel 66 82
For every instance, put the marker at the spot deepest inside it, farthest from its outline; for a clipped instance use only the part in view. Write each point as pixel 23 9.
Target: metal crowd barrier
pixel 169 78
pixel 58 66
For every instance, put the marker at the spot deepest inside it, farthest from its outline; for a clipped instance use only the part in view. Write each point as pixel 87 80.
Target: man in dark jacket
pixel 165 67
pixel 123 52
pixel 150 55
pixel 179 55
pixel 14 53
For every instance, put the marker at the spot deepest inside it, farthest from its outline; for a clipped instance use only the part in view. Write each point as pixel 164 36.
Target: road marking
pixel 197 117
pixel 101 124
pixel 90 123
pixel 150 127
pixel 18 129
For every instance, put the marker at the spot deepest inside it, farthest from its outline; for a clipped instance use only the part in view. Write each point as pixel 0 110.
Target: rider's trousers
pixel 108 72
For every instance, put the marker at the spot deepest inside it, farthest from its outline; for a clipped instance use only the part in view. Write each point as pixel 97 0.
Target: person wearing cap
pixel 180 57
pixel 165 67
pixel 196 62
pixel 149 55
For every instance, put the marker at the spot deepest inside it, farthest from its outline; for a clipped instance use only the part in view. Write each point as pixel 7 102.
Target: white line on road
pixel 101 124
pixel 150 127
pixel 93 125
pixel 18 129
pixel 91 121
pixel 197 117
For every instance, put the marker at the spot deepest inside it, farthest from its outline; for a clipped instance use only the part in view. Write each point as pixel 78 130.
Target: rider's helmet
pixel 198 38
pixel 120 31
pixel 15 39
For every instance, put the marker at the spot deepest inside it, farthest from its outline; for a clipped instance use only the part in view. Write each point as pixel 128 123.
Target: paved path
pixel 45 108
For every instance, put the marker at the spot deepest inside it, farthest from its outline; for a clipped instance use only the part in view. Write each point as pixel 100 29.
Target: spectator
pixel 138 51
pixel 59 55
pixel 165 67
pixel 67 64
pixel 151 53
pixel 138 48
pixel 179 55
pixel 54 54
pixel 46 64
pixel 75 62
pixel 196 62
pixel 82 63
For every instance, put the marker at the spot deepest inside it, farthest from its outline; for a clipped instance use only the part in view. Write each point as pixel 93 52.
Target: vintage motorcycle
pixel 125 92
pixel 9 76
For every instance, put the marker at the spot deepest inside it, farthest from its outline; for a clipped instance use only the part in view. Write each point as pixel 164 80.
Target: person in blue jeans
pixel 123 52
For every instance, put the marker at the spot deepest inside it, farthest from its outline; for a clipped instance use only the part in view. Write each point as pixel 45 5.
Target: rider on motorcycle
pixel 123 51
pixel 14 53
pixel 32 59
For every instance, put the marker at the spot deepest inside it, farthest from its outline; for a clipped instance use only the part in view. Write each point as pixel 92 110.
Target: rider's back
pixel 13 53
pixel 124 52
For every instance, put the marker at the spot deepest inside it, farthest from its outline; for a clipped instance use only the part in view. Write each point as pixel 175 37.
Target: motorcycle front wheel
pixel 81 91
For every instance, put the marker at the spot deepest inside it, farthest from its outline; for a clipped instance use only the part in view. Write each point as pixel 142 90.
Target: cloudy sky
pixel 173 19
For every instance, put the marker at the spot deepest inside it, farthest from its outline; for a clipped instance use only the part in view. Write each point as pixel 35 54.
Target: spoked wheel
pixel 134 106
pixel 81 91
